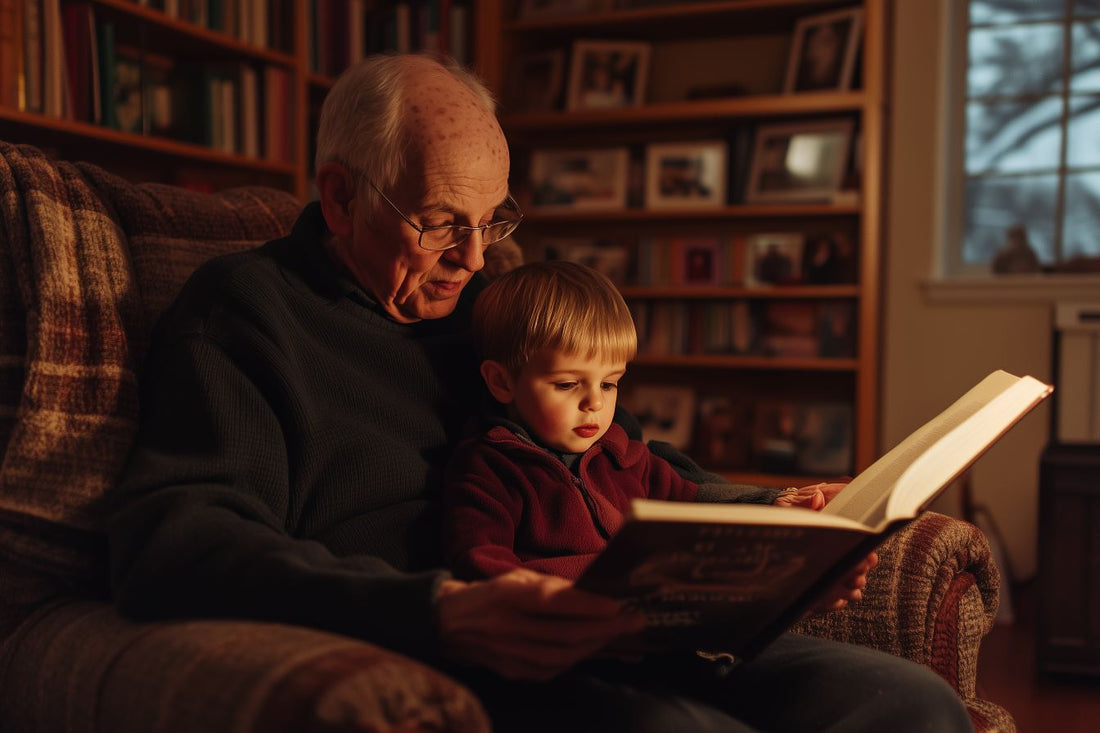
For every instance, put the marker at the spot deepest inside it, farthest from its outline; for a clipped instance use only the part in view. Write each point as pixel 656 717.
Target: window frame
pixel 953 178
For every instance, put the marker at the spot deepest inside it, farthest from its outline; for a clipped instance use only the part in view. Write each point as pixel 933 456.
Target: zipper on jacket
pixel 591 504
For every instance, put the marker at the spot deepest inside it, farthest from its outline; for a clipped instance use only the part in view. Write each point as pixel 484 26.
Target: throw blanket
pixel 87 263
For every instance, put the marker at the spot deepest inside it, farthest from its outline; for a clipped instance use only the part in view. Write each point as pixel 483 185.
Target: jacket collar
pixel 503 431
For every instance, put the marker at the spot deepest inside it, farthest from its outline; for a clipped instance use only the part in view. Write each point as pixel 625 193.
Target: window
pixel 1028 130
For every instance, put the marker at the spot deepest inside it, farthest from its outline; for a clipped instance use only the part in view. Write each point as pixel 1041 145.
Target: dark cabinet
pixel 1068 639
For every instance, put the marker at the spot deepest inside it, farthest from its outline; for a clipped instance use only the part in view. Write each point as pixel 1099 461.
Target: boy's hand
pixel 810 497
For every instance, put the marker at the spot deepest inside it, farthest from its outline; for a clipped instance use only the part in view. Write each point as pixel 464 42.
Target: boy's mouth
pixel 587 431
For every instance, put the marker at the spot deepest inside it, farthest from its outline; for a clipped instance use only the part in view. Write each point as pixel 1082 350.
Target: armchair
pixel 87 262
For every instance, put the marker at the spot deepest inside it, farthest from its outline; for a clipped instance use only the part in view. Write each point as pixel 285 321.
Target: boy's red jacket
pixel 511 503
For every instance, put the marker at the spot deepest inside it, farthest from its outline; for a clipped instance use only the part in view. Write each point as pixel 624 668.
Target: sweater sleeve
pixel 712 487
pixel 199 522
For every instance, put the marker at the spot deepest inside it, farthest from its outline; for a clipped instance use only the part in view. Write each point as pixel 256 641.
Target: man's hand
pixel 526 625
pixel 848 590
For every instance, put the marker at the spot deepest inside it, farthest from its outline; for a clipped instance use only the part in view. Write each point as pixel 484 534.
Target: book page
pixel 866 498
pixel 949 457
pixel 650 510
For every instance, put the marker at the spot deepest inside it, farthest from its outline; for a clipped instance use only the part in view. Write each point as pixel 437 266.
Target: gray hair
pixel 362 123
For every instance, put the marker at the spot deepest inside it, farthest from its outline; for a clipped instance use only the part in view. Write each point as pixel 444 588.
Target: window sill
pixel 1036 288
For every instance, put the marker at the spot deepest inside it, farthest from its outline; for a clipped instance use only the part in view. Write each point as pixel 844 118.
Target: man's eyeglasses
pixel 438 238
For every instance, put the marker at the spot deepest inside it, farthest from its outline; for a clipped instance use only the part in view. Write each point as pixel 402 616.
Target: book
pixel 732 577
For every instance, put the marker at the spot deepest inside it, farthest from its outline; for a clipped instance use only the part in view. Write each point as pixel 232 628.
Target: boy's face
pixel 566 401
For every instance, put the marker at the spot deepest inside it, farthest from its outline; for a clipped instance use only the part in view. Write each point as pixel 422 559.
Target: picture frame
pixel 665 412
pixel 607 74
pixel 828 258
pixel 686 175
pixel 723 431
pixel 609 258
pixel 824 51
pixel 698 261
pixel 773 258
pixel 537 81
pixel 802 161
pixel 592 179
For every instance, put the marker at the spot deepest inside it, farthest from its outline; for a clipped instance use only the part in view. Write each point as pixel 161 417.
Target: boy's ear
pixel 499 381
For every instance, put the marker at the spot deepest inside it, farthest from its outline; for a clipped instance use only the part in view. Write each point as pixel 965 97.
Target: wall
pixel 935 350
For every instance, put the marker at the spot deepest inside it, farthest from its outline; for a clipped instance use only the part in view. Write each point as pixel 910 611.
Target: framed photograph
pixel 773 259
pixel 723 432
pixel 607 74
pixel 823 52
pixel 538 81
pixel 609 258
pixel 828 258
pixel 799 161
pixel 825 440
pixel 686 175
pixel 665 412
pixel 837 330
pixel 592 179
pixel 698 261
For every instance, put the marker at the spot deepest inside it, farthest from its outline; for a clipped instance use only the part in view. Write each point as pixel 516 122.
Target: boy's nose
pixel 593 401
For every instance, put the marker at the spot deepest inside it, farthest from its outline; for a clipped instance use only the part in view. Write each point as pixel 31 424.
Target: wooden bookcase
pixel 186 44
pixel 152 37
pixel 719 44
pixel 709 43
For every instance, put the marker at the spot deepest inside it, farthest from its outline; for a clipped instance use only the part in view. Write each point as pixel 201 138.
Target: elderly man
pixel 298 407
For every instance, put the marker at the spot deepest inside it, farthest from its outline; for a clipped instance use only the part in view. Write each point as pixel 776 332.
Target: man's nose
pixel 470 254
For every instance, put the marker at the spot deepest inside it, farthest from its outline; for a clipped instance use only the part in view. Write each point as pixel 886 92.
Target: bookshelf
pixel 687 96
pixel 251 73
pixel 716 72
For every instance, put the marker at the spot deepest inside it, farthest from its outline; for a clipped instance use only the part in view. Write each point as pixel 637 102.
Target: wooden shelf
pixel 749 362
pixel 175 37
pixel 29 123
pixel 751 16
pixel 737 211
pixel 757 105
pixel 783 292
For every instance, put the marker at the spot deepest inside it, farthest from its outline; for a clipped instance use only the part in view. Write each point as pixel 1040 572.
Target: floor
pixel 1006 676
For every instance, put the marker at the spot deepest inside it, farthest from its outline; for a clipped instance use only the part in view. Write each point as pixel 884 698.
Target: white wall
pixel 933 351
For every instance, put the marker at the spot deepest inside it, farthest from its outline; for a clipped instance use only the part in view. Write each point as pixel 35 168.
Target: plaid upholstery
pixel 89 262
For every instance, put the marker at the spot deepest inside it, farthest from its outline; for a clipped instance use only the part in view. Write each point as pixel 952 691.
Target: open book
pixel 732 577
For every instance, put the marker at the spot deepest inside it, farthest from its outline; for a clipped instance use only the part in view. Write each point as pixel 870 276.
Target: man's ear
pixel 335 183
pixel 499 381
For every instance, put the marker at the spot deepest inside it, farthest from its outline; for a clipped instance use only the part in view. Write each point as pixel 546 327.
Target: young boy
pixel 548 481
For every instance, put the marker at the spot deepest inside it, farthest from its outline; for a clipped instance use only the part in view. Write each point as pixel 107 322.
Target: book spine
pixel 11 66
pixel 105 43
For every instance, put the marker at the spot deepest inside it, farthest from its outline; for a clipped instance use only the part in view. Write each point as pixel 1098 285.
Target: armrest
pixel 78 665
pixel 931 599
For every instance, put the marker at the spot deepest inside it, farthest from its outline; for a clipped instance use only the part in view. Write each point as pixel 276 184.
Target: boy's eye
pixel 608 386
pixel 565 385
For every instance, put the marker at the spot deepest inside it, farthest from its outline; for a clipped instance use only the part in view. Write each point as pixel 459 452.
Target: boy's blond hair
pixel 555 304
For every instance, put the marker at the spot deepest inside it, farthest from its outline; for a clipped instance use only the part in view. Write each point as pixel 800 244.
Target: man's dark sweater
pixel 291 451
